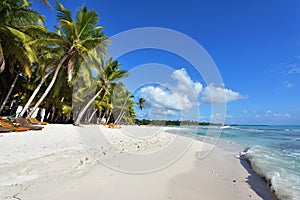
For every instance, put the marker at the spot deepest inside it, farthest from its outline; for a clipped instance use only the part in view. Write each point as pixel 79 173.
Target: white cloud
pixel 294 70
pixel 185 85
pixel 160 112
pixel 270 113
pixel 166 98
pixel 213 94
pixel 218 118
pixel 182 96
pixel 287 68
pixel 288 84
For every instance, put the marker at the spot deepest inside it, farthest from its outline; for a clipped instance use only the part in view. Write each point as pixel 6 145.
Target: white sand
pixel 66 162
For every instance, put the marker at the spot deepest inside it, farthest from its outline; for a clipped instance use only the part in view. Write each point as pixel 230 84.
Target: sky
pixel 254 44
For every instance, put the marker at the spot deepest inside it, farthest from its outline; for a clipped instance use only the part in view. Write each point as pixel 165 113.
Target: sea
pixel 273 152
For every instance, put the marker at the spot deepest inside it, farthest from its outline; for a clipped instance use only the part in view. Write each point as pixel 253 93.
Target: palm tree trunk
pixel 50 85
pixel 37 89
pixel 9 92
pixel 80 115
pixel 121 110
pixel 117 122
pixel 101 116
pixel 108 118
pixel 92 115
pixel 2 61
pixel 53 113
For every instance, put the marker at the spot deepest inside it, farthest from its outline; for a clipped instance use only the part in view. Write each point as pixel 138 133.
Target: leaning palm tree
pixel 108 76
pixel 47 59
pixel 122 98
pixel 46 62
pixel 129 115
pixel 75 39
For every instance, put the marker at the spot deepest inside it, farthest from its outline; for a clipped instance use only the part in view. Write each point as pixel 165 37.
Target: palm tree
pixel 75 39
pixel 122 98
pixel 131 117
pixel 45 73
pixel 107 108
pixel 15 18
pixel 109 75
pixel 128 116
pixel 141 103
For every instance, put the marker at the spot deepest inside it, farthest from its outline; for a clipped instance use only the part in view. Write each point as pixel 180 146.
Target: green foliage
pixel 31 50
pixel 173 123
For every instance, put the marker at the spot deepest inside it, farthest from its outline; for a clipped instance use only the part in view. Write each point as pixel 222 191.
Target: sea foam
pixel 279 168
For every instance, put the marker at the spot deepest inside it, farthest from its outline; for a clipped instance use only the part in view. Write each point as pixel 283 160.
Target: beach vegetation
pixel 38 67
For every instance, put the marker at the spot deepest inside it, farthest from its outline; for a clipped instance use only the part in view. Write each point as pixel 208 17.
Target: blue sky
pixel 255 45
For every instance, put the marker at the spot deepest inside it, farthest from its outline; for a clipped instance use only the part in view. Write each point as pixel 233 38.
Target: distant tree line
pixel 173 123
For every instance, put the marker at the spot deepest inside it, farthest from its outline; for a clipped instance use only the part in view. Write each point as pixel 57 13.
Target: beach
pixel 60 163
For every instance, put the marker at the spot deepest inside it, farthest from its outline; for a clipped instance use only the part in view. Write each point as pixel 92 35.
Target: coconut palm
pixel 109 75
pixel 75 39
pixel 141 103
pixel 129 115
pixel 15 18
pixel 121 99
pixel 47 59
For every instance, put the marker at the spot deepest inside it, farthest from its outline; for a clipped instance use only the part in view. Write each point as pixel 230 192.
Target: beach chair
pixel 35 121
pixel 8 124
pixel 4 130
pixel 111 125
pixel 23 122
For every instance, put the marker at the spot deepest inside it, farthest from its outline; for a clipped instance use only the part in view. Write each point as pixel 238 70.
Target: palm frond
pixel 46 41
pixel 69 29
pixel 93 42
pixel 62 12
pixel 46 2
pixel 39 31
pixel 19 34
pixel 86 21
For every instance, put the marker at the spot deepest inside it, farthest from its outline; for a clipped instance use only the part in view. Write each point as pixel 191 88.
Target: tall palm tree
pixel 15 18
pixel 108 76
pixel 75 39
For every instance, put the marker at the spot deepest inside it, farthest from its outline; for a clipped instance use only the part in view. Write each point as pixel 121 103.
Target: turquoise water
pixel 274 153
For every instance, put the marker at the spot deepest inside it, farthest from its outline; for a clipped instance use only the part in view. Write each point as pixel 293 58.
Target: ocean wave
pixel 248 129
pixel 266 129
pixel 278 168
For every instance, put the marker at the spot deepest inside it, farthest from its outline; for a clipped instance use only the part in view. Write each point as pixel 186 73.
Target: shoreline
pixel 247 165
pixel 239 149
pixel 56 163
pixel 232 146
